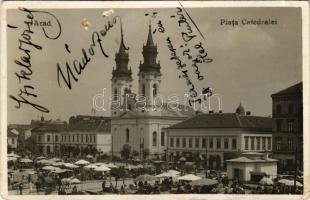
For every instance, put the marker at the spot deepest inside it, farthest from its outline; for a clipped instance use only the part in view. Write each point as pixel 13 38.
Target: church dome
pixel 240 110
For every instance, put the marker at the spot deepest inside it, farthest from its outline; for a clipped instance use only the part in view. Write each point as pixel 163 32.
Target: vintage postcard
pixel 171 100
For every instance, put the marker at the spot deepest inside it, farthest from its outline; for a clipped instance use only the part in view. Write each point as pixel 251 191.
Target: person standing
pixel 20 187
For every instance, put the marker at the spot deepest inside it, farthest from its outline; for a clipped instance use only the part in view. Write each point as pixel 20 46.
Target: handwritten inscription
pixel 26 46
pixel 77 66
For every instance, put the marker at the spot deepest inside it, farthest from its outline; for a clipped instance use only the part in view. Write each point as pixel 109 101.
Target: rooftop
pixel 226 120
pixel 292 90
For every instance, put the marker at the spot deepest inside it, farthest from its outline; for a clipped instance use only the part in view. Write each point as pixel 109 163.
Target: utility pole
pixel 112 148
pixel 296 168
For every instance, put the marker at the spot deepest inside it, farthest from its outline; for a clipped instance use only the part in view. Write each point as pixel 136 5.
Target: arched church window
pixel 127 135
pixel 154 138
pixel 143 90
pixel 154 90
pixel 115 93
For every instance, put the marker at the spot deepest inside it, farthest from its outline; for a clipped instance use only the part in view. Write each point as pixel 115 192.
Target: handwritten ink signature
pixel 26 45
pixel 79 66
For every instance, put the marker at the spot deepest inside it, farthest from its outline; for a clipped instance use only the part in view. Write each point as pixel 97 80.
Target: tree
pixel 126 150
pixel 135 153
pixel 146 153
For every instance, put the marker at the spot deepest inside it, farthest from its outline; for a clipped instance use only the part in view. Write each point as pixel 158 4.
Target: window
pixel 73 138
pixel 13 141
pixel 94 139
pixel 77 138
pixel 218 143
pixel 48 149
pixel 279 109
pixel 143 90
pixel 82 137
pixel 290 124
pixel 234 143
pixel 56 138
pixel 115 93
pixel 211 143
pixel 279 125
pixel 246 143
pixel 190 143
pixel 178 142
pixel 278 143
pixel 226 143
pixel 196 142
pixel 129 106
pixel 69 138
pixel 290 144
pixel 39 138
pixel 86 138
pixel 48 138
pixel 269 143
pixel 252 143
pixel 162 138
pixel 90 138
pixel 154 139
pixel 184 142
pixel 264 143
pixel 290 108
pixel 171 142
pixel 204 142
pixel 257 143
pixel 154 90
pixel 127 135
pixel 62 138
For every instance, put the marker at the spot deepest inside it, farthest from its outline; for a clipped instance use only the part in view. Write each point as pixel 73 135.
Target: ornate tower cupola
pixel 240 110
pixel 121 74
pixel 149 71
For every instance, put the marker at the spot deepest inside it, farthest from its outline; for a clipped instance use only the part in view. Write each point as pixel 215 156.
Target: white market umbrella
pixel 290 182
pixel 40 157
pixel 13 155
pixel 11 159
pixel 70 165
pixel 189 177
pixel 174 172
pixel 89 156
pixel 26 160
pixel 55 159
pixel 90 166
pixel 50 168
pixel 82 162
pixel 110 165
pixel 74 181
pixel 166 175
pixel 102 168
pixel 266 181
pixel 58 164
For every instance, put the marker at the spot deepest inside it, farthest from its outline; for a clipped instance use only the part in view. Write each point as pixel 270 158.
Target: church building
pixel 140 123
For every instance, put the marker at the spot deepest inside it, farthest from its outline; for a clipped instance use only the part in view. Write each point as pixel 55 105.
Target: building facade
pixel 12 137
pixel 287 115
pixel 218 137
pixel 140 122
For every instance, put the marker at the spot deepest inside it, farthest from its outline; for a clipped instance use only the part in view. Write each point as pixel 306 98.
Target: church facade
pixel 136 120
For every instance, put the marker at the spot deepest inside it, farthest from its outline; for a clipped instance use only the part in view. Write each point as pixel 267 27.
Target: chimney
pixel 211 111
pixel 248 112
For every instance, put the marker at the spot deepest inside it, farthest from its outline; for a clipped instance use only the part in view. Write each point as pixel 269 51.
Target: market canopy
pixel 189 177
pixel 102 168
pixel 11 159
pixel 173 172
pixel 13 155
pixel 204 182
pixel 82 162
pixel 26 160
pixel 89 156
pixel 50 168
pixel 290 182
pixel 55 159
pixel 70 165
pixel 74 181
pixel 110 165
pixel 40 157
pixel 266 181
pixel 166 175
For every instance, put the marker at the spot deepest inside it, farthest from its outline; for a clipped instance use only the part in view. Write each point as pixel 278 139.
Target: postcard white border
pixel 159 4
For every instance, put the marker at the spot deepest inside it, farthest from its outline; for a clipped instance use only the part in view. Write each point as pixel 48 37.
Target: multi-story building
pixel 87 134
pixel 12 139
pixel 219 136
pixel 141 126
pixel 287 116
pixel 47 135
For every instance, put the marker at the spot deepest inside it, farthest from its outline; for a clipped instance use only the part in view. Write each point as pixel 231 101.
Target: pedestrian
pixel 20 187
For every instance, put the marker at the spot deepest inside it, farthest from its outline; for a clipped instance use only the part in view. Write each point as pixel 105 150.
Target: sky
pixel 249 62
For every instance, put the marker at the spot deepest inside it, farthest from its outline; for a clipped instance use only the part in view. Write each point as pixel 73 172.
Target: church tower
pixel 121 75
pixel 149 71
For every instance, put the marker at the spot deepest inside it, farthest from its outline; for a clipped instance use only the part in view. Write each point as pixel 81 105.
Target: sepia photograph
pixel 187 98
